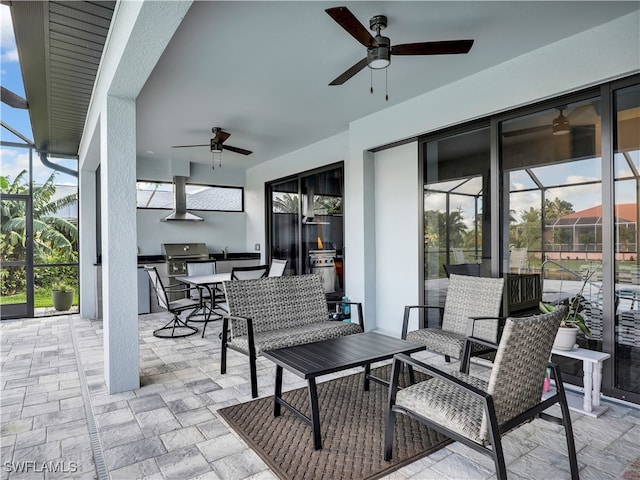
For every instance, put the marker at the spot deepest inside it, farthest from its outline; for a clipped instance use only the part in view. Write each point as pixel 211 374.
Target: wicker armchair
pixel 477 413
pixel 468 300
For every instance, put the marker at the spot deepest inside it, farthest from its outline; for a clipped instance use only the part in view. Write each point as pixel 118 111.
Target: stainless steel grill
pixel 323 263
pixel 177 255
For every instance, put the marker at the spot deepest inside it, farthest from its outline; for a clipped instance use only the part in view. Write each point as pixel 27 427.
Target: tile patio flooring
pixel 53 387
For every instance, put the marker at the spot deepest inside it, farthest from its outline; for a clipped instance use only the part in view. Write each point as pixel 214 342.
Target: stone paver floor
pixel 59 421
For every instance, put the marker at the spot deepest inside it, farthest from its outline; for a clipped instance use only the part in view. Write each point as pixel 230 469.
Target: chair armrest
pixel 357 304
pixel 472 323
pixel 407 312
pixel 178 289
pixel 466 351
pixel 435 372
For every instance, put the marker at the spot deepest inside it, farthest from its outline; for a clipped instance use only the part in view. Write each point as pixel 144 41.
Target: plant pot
pixel 62 301
pixel 566 338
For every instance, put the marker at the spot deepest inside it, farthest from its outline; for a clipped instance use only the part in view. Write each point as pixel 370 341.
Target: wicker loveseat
pixel 277 312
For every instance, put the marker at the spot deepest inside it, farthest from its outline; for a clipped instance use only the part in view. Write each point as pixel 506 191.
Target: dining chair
pixel 200 267
pixel 249 273
pixel 175 328
pixel 277 267
pixel 478 413
pixel 472 304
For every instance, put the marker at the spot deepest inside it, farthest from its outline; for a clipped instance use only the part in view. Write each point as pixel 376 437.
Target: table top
pixel 582 354
pixel 320 358
pixel 199 280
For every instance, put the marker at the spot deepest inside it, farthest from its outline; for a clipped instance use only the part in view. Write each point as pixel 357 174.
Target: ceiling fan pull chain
pixel 371 82
pixel 386 85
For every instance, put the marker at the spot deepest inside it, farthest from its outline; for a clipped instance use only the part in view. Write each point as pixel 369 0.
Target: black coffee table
pixel 328 356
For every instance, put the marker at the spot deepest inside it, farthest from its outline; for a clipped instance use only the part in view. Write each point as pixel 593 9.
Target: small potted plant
pixel 572 320
pixel 62 295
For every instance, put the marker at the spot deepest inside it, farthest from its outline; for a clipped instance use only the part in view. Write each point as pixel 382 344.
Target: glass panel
pixel 627 263
pixel 456 176
pixel 322 227
pixel 13 254
pixel 199 197
pixel 285 206
pixel 553 206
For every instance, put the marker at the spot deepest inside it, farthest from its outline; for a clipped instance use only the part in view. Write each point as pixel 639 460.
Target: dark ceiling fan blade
pixel 12 99
pixel 241 151
pixel 447 47
pixel 350 73
pixel 352 25
pixel 186 146
pixel 220 136
pixel 525 131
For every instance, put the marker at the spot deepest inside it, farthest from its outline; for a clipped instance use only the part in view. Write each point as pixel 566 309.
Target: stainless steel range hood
pixel 180 206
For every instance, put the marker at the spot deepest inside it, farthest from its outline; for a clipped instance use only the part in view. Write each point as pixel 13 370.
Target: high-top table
pixel 209 282
pixel 312 360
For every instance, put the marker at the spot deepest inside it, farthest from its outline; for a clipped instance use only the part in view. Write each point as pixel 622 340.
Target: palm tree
pixel 52 236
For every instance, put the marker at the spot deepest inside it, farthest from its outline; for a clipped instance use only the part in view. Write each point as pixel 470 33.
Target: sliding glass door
pixel 306 225
pixel 457 221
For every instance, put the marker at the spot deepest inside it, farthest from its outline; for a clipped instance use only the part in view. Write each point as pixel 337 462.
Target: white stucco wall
pixel 330 150
pixel 397 213
pixel 218 230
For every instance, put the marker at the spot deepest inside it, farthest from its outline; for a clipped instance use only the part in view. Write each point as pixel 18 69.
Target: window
pixel 159 195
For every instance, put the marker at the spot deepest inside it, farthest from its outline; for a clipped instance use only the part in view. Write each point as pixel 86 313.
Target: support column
pixel 87 254
pixel 119 240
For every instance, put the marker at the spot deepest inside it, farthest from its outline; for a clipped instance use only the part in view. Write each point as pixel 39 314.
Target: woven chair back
pixel 520 364
pixel 275 303
pixel 473 297
pixel 156 283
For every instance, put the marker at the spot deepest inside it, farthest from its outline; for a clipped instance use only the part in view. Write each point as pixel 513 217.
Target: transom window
pixel 159 195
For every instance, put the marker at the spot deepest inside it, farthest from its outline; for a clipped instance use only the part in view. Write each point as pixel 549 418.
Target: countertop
pixel 219 257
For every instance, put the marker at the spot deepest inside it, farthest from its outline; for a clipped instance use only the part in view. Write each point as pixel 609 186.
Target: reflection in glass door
pixel 456 214
pixel 627 264
pixel 552 186
pixel 16 287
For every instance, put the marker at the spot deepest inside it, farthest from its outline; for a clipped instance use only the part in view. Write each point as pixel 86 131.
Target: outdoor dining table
pixel 208 282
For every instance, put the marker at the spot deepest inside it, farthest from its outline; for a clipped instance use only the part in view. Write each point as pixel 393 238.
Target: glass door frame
pixel 20 310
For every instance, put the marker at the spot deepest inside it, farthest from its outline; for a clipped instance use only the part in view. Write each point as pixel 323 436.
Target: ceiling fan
pixel 217 145
pixel 559 126
pixel 379 48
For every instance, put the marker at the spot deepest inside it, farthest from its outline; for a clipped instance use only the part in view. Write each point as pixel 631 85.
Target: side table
pixel 592 367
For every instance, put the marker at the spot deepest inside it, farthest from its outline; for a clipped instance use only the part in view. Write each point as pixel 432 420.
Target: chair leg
pixel 223 353
pixel 254 376
pixel 568 428
pixel 388 434
pixel 447 358
pixel 171 325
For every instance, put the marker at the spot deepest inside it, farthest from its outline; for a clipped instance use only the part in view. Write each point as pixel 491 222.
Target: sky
pixel 14 160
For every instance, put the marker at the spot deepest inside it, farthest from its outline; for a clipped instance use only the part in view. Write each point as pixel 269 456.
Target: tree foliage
pixel 54 239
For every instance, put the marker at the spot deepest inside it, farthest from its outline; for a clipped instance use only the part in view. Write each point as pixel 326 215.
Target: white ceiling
pixel 260 70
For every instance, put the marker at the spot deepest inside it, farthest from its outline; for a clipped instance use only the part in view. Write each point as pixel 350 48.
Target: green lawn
pixel 42 298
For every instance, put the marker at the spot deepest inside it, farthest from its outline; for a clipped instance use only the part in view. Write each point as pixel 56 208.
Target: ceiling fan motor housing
pixel 379 57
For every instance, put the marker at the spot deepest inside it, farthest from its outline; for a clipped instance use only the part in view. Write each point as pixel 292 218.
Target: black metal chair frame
pixel 176 322
pixel 249 269
pixel 495 430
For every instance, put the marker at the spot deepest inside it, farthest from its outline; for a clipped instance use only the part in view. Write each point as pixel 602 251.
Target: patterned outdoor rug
pixel 352 423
